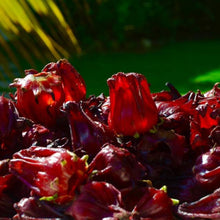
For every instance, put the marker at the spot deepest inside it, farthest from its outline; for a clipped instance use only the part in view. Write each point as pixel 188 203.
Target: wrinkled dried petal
pixel 205 208
pixel 215 91
pixel 38 135
pixel 207 169
pixel 167 95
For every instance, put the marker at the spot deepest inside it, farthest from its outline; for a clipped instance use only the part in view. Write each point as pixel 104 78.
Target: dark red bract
pixel 39 97
pixel 11 190
pixel 97 201
pixel 194 115
pixel 153 205
pixel 205 208
pixel 10 135
pixel 32 208
pixel 39 135
pixel 65 156
pixel 53 174
pixel 72 82
pixel 207 169
pixel 88 134
pixel 117 166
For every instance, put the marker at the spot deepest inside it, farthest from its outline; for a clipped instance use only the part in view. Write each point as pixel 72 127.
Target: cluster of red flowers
pixel 132 155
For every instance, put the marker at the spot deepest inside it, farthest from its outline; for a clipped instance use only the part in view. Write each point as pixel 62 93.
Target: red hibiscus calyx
pixel 132 109
pixel 38 83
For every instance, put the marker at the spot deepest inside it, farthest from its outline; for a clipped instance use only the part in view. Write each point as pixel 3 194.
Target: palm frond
pixel 32 31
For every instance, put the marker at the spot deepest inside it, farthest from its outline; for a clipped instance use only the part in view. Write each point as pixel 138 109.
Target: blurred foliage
pixel 113 24
pixel 187 65
pixel 36 32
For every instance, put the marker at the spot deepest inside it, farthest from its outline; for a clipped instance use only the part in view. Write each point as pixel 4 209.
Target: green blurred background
pixel 176 41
